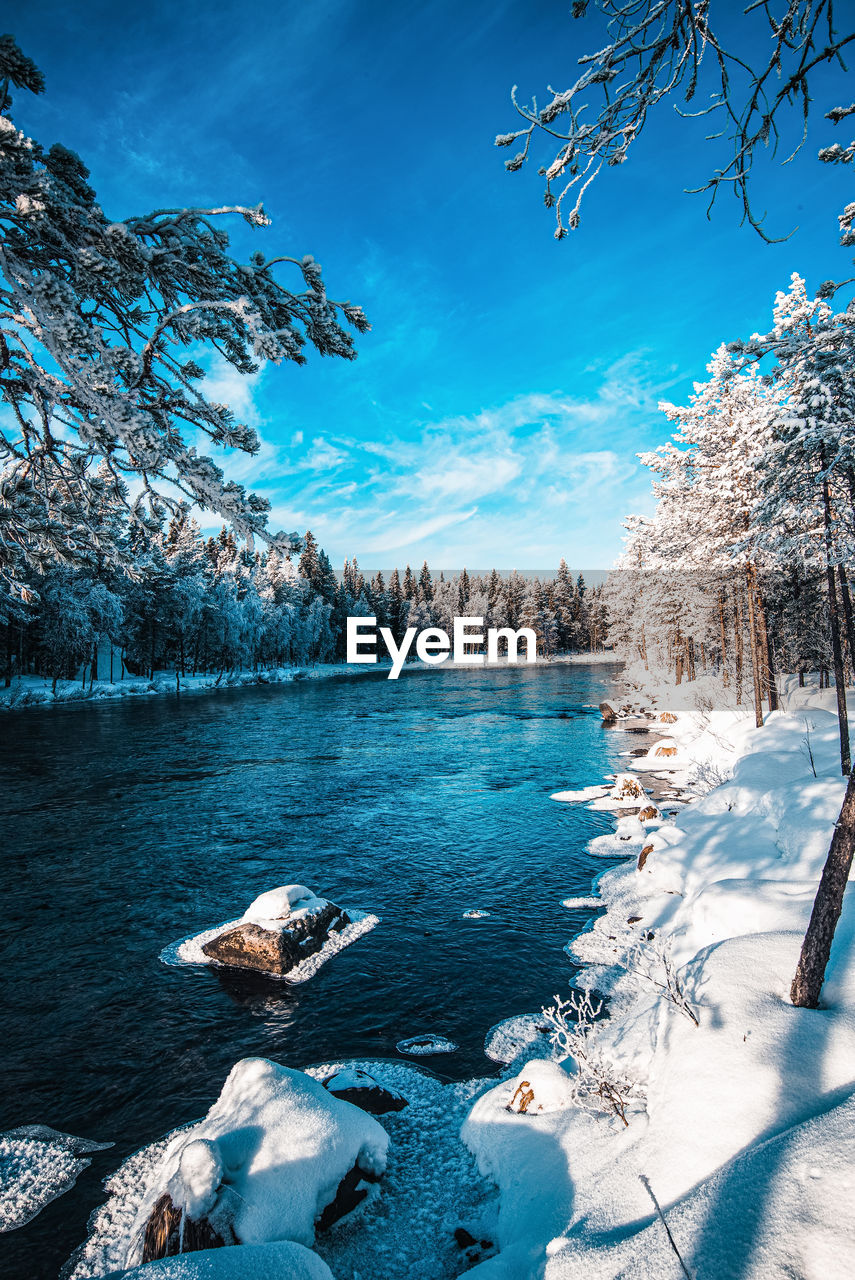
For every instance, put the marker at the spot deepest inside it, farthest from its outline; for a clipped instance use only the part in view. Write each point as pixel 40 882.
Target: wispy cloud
pixel 518 483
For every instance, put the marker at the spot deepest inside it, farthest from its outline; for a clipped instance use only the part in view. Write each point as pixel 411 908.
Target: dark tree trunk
pixel 737 613
pixel 816 948
pixel 766 651
pixel 755 655
pixel 723 627
pixel 836 648
pixel 843 580
pixel 839 673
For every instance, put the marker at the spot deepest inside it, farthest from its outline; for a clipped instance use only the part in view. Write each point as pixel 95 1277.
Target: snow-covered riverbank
pixel 32 691
pixel 739 1107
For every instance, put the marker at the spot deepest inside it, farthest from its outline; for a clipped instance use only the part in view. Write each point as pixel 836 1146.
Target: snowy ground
pixel 30 691
pixel 740 1107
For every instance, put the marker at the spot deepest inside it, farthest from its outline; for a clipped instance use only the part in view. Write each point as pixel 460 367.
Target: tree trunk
pixel 766 650
pixel 843 580
pixel 755 656
pixel 740 655
pixel 836 648
pixel 827 906
pixel 723 629
pixel 839 673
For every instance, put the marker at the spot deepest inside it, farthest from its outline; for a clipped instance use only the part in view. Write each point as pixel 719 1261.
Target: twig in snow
pixel 649 1189
pixel 645 958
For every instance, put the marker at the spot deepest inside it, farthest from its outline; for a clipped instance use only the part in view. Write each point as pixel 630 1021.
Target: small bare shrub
pixel 706 776
pixel 598 1084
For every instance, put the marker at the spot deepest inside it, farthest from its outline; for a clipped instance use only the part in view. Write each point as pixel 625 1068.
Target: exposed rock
pixel 282 941
pixel 667 717
pixel 167 1235
pixel 352 1190
pixel 358 1087
pixel 476 1250
pixel 643 856
pixel 665 751
pixel 541 1086
pixel 649 813
pixel 627 787
pixel 608 711
pixel 464 1238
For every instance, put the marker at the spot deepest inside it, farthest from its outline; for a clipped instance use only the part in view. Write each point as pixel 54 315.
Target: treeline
pixel 201 606
pixel 744 566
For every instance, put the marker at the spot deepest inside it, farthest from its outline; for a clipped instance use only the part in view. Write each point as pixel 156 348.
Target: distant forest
pixel 194 605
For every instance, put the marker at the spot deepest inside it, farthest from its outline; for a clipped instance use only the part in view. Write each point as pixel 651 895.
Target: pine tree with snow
pixel 102 321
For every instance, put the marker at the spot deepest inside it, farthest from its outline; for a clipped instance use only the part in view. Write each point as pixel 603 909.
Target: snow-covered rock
pixel 37 1165
pixel 386 1240
pixel 352 1085
pixel 542 1086
pixel 278 931
pixel 276 1157
pixel 287 932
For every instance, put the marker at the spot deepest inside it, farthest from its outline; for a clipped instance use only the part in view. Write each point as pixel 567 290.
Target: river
pixel 133 823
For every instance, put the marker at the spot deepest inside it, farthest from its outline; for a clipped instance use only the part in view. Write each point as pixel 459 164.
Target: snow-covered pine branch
pixel 102 324
pixel 659 51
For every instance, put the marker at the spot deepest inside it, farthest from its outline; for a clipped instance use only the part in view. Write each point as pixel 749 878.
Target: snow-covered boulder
pixel 279 930
pixel 38 1164
pixel 626 787
pixel 542 1086
pixel 356 1086
pixel 276 1157
pixel 288 932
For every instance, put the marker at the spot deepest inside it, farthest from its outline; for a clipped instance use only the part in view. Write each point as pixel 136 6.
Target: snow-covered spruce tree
pixel 104 326
pixel 690 581
pixel 655 51
pixel 804 511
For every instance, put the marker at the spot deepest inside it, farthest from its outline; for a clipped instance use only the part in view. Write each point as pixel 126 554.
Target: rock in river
pixel 286 933
pixel 278 932
pixel 356 1086
pixel 277 1157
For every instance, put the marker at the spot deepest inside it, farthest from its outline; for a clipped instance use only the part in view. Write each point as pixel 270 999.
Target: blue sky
pixel 496 407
